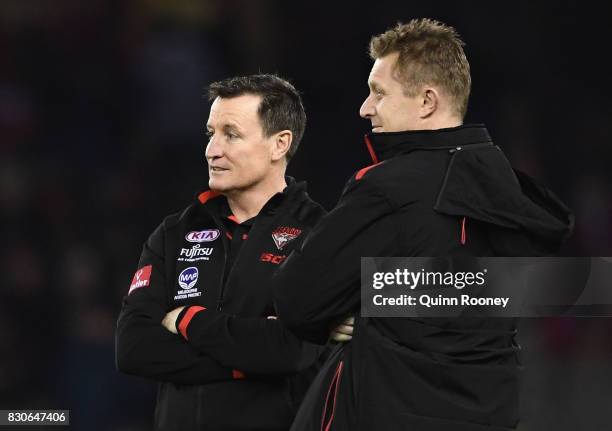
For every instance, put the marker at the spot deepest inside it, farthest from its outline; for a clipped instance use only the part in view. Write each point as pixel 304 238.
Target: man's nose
pixel 214 149
pixel 367 108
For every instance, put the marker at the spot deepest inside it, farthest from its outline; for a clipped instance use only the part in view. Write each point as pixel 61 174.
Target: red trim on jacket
pixel 182 327
pixel 463 234
pixel 207 195
pixel 233 218
pixel 238 375
pixel 335 381
pixel 331 418
pixel 368 143
pixel 363 171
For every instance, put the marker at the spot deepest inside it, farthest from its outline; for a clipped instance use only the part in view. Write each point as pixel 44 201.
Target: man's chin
pixel 223 187
pixel 230 187
pixel 218 186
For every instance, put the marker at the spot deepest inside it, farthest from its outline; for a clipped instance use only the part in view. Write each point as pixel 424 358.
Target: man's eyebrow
pixel 225 126
pixel 374 85
pixel 231 126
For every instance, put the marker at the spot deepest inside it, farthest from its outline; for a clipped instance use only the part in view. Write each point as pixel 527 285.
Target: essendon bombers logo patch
pixel 141 278
pixel 283 235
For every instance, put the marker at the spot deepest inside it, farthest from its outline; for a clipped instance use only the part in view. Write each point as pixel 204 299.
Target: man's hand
pixel 344 331
pixel 169 321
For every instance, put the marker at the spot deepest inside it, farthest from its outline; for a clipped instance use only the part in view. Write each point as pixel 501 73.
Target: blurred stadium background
pixel 101 119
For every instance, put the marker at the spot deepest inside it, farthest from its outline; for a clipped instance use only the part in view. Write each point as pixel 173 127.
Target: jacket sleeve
pixel 319 283
pixel 143 346
pixel 251 345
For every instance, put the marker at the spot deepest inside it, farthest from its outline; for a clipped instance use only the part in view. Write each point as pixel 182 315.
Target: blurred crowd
pixel 101 119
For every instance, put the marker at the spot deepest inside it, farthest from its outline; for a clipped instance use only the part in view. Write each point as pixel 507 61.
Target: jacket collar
pixel 383 146
pixel 295 190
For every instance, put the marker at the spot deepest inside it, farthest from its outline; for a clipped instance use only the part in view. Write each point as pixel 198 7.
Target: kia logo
pixel 207 235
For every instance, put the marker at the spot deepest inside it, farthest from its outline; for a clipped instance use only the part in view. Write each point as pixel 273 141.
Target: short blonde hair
pixel 430 52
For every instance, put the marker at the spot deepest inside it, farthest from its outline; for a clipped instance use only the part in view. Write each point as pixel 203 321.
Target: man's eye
pixel 232 135
pixel 209 134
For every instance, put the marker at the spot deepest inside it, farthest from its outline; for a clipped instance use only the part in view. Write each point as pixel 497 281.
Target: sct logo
pixel 272 258
pixel 188 277
pixel 206 235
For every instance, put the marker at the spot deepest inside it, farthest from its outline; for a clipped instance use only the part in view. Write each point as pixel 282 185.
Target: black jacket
pixel 446 192
pixel 231 368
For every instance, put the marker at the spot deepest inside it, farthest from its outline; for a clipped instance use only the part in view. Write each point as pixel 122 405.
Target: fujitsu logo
pixel 196 251
pixel 206 235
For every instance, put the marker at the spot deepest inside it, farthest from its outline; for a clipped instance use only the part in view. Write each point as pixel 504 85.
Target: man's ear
pixel 281 144
pixel 430 102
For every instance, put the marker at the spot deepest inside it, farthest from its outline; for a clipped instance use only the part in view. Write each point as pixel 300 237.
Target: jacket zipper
pixel 224 275
pixel 263 226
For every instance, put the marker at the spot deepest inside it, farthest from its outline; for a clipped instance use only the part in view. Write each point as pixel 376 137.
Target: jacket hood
pixel 386 145
pixel 481 184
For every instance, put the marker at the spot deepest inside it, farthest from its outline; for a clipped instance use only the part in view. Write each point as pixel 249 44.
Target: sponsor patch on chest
pixel 284 235
pixel 272 258
pixel 206 235
pixel 195 253
pixel 187 280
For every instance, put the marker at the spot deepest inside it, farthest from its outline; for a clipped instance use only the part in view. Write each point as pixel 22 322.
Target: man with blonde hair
pixel 436 187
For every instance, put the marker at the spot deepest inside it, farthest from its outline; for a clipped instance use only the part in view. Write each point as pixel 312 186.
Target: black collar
pixel 294 191
pixel 386 145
